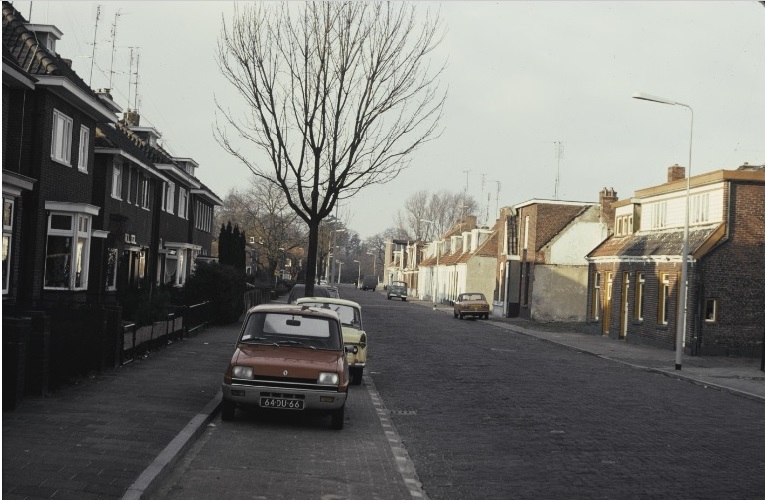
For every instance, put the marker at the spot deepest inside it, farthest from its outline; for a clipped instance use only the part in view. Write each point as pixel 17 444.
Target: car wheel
pixel 461 316
pixel 338 418
pixel 455 314
pixel 227 410
pixel 486 316
pixel 404 299
pixel 388 297
pixel 356 375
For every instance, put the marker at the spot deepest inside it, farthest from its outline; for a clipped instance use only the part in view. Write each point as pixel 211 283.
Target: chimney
pixel 68 62
pixel 606 197
pixel 132 118
pixel 675 173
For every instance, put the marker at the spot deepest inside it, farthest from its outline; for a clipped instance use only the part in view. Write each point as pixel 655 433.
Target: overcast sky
pixel 521 76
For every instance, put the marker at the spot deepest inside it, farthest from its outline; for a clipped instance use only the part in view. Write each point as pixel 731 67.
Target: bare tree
pixel 263 214
pixel 339 96
pixel 444 208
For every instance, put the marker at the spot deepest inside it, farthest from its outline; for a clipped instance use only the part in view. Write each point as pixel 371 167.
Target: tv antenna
pixel 93 54
pixel 114 38
pixel 559 155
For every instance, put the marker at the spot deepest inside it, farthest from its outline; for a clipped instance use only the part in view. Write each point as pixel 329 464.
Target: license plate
pixel 282 404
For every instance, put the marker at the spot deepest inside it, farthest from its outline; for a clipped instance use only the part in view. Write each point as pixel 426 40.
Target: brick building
pixel 633 275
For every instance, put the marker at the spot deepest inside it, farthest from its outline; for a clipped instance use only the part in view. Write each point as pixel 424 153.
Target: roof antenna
pixel 114 38
pixel 137 60
pixel 93 55
pixel 559 155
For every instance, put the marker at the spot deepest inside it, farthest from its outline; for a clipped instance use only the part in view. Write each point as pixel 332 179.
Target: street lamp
pixel 358 280
pixel 435 274
pixel 339 270
pixel 682 307
pixel 330 255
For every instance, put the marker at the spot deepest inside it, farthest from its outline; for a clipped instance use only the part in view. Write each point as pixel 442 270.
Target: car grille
pixel 284 383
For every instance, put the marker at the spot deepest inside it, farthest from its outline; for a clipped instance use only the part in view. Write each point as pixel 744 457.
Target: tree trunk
pixel 313 245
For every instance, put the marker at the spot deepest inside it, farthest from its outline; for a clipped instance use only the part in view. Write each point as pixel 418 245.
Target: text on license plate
pixel 285 404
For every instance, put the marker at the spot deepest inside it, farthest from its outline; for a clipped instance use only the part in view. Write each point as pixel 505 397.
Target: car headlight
pixel 328 378
pixel 242 372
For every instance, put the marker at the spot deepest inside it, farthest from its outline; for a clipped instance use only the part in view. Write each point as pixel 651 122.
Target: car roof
pixel 293 309
pixel 328 300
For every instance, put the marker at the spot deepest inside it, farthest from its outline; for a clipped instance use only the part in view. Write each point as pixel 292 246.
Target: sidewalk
pixel 117 432
pixel 740 376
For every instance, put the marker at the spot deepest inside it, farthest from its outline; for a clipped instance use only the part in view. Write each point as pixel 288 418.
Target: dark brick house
pixel 633 275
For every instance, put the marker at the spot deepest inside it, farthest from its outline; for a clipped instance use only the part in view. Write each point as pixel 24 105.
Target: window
pixel 203 214
pixel 67 251
pixel 663 299
pixel 168 197
pixel 7 240
pixel 117 181
pixel 111 269
pixel 526 234
pixel 624 225
pixel 145 193
pixel 639 297
pixel 183 197
pixel 83 157
pixel 596 297
pixel 61 142
pixel 659 215
pixel 710 311
pixel 699 208
pixel 129 184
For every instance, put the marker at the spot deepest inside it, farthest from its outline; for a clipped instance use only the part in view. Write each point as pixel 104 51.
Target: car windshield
pixel 399 283
pixel 349 315
pixel 472 296
pixel 291 330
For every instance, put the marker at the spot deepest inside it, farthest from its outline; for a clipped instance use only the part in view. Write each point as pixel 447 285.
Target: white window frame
pixel 663 303
pixel 145 193
pixel 61 140
pixel 129 183
pixel 640 297
pixel 80 234
pixel 659 215
pixel 183 205
pixel 700 208
pixel 168 197
pixel 83 157
pixel 8 240
pixel 117 177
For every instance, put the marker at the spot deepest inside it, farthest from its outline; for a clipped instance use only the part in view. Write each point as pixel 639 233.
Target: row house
pixel 91 210
pixel 542 271
pixel 634 275
pixel 402 258
pixel 463 260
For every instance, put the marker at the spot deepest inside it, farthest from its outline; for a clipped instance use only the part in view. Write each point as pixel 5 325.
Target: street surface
pixel 487 413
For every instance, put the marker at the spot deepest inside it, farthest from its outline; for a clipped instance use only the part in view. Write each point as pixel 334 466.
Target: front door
pixel 607 303
pixel 624 315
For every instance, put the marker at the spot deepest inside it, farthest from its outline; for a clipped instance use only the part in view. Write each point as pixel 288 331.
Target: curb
pixel 667 373
pixel 149 480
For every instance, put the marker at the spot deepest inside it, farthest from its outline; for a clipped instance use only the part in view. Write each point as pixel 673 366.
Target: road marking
pixel 404 462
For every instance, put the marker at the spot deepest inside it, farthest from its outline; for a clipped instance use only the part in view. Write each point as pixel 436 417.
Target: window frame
pixel 659 215
pixel 83 158
pixel 595 310
pixel 183 203
pixel 79 256
pixel 8 241
pixel 168 197
pixel 117 176
pixel 714 302
pixel 637 314
pixel 145 186
pixel 662 317
pixel 61 138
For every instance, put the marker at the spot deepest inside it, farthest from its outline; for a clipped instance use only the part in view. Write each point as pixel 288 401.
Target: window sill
pixel 60 162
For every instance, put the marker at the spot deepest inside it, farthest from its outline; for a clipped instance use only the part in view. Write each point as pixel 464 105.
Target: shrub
pixel 222 285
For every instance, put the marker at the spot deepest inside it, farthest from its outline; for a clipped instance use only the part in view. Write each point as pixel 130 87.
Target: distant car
pixel 288 358
pixel 369 283
pixel 397 289
pixel 471 304
pixel 298 291
pixel 354 336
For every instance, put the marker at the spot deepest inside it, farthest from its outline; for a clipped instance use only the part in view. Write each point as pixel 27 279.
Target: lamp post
pixel 435 274
pixel 682 307
pixel 339 270
pixel 276 274
pixel 358 280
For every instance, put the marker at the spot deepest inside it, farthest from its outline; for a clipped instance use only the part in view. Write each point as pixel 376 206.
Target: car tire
pixel 388 297
pixel 228 408
pixel 356 375
pixel 455 314
pixel 461 316
pixel 338 418
pixel 404 299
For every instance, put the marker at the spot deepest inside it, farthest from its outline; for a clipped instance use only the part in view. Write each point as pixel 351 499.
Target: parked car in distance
pixel 298 291
pixel 397 289
pixel 369 283
pixel 471 304
pixel 288 358
pixel 354 336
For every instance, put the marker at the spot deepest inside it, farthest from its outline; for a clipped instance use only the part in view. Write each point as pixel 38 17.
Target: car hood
pixel 270 360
